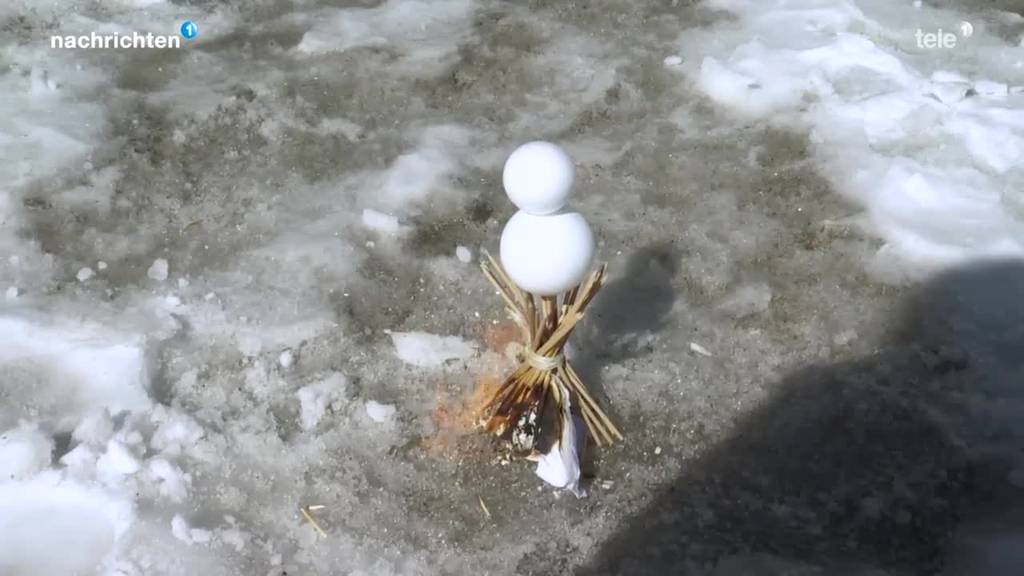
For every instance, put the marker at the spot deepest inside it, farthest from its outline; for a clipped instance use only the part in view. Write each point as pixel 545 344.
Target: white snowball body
pixel 547 255
pixel 538 177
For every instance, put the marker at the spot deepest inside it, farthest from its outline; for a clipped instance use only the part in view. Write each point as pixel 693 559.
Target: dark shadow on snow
pixel 870 462
pixel 625 315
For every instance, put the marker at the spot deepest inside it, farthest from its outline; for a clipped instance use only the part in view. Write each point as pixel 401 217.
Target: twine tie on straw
pixel 519 353
pixel 543 363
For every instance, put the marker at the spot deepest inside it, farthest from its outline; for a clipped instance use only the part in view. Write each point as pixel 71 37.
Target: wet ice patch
pixel 425 34
pixel 413 176
pixel 429 350
pixel 933 154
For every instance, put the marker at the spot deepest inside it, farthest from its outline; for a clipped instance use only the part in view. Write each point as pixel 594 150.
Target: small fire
pixel 458 417
pixel 455 417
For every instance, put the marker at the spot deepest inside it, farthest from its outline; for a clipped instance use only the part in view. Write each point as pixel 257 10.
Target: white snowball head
pixel 538 177
pixel 547 255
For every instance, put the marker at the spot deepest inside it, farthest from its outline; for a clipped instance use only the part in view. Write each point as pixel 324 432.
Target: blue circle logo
pixel 188 29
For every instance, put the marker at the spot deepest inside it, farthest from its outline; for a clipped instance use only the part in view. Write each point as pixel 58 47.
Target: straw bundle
pixel 528 405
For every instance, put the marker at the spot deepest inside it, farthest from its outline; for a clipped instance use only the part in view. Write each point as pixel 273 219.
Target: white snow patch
pixel 85 274
pixel 158 270
pixel 286 359
pixel 415 175
pixel 70 369
pixel 179 528
pixel 176 433
pixel 380 413
pixel 95 428
pixel 51 513
pixel 116 462
pixel 380 222
pixel 315 398
pixel 170 481
pixel 429 350
pixel 698 349
pixel 463 254
pixel 24 451
pixel 932 154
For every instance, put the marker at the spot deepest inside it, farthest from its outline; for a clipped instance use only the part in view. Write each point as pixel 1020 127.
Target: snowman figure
pixel 545 248
pixel 546 253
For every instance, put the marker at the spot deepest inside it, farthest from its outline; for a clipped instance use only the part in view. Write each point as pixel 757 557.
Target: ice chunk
pixel 380 222
pixel 429 350
pixel 85 274
pixel 179 528
pixel 117 461
pixel 463 254
pixel 176 432
pixel 158 270
pixel 315 398
pixel 950 92
pixel 698 349
pixel 169 480
pixel 81 461
pixel 286 359
pixel 381 413
pixel 990 89
pixel 95 428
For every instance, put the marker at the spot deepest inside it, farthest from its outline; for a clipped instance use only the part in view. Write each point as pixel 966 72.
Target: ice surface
pixel 928 153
